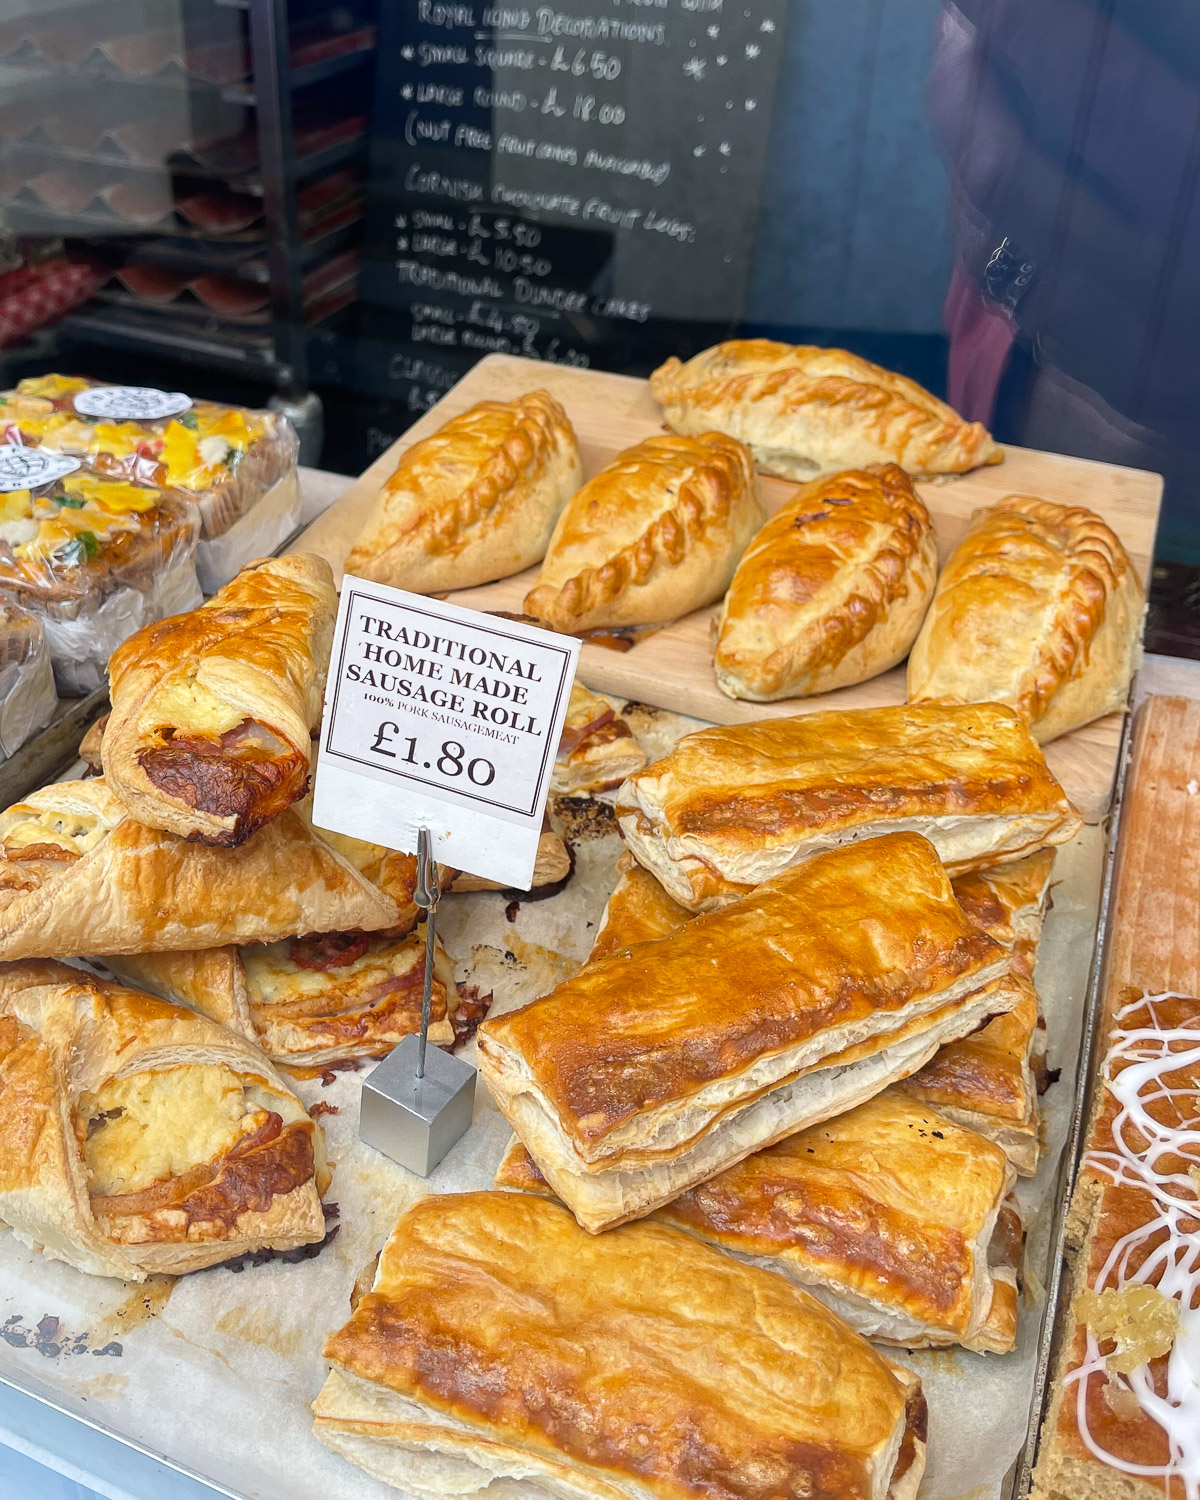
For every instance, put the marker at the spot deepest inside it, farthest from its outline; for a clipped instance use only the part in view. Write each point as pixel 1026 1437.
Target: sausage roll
pixel 597 749
pixel 831 591
pixel 308 1001
pixel 732 806
pixel 212 710
pixel 80 874
pixel 501 1343
pixel 654 1069
pixel 1038 607
pixel 138 1138
pixel 805 411
pixel 891 1215
pixel 652 537
pixel 474 502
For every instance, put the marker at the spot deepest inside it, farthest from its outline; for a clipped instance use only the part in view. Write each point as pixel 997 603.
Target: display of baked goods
pixel 27 697
pixel 831 591
pixel 804 410
pixel 552 865
pixel 79 874
pixel 653 1069
pixel 1038 607
pixel 891 1215
pixel 223 458
pixel 655 535
pixel 212 711
pixel 596 750
pixel 308 1001
pixel 499 1342
pixel 475 502
pixel 732 806
pixel 990 1081
pixel 138 1138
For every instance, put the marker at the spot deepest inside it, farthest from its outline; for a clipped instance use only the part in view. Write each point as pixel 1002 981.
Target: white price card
pixel 443 717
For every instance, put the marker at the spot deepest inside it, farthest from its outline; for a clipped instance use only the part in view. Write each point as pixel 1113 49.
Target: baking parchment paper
pixel 218 1369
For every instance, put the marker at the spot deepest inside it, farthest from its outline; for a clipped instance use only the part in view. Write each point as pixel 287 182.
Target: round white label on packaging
pixel 130 403
pixel 30 468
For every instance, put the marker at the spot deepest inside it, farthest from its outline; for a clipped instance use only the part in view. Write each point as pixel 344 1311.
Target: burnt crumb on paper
pixel 472 1008
pixel 50 1338
pixel 511 910
pixel 320 1108
pixel 582 819
pixel 240 1263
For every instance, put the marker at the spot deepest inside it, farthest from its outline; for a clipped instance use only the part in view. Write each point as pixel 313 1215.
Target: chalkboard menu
pixel 575 182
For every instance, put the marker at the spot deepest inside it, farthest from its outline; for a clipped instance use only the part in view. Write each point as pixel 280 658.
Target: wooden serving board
pixel 672 668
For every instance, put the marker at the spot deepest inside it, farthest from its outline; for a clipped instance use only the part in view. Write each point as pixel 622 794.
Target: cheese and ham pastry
pixel 499 1343
pixel 474 502
pixel 596 750
pixel 732 806
pixel 1038 607
pixel 891 1215
pixel 80 874
pixel 831 591
pixel 805 411
pixel 213 710
pixel 650 538
pixel 308 1001
pixel 654 1069
pixel 138 1138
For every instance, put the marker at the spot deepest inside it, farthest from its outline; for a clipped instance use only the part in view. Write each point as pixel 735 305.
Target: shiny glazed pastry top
pixel 805 410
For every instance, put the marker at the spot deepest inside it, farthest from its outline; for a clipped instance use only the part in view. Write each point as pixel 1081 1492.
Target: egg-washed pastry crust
pixel 732 806
pixel 655 1068
pixel 139 1138
pixel 80 874
pixel 500 1341
pixel 831 591
pixel 475 501
pixel 209 735
pixel 653 536
pixel 804 410
pixel 1038 607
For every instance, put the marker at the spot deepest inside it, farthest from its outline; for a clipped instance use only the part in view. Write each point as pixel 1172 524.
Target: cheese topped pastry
pixel 1038 607
pixel 805 411
pixel 209 735
pixel 476 501
pixel 831 591
pixel 652 537
pixel 500 1343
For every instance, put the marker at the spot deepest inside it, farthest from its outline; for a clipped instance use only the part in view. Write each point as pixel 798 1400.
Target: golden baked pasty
pixel 654 1069
pixel 831 591
pixel 890 1214
pixel 212 710
pixel 732 806
pixel 499 1343
pixel 1038 607
pixel 596 750
pixel 474 502
pixel 308 1001
pixel 652 537
pixel 80 874
pixel 138 1138
pixel 804 410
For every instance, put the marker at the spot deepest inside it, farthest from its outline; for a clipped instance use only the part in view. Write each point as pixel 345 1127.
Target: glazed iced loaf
pixel 732 806
pixel 500 1343
pixel 656 1068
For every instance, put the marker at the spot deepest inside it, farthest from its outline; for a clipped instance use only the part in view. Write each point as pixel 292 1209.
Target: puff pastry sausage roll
pixel 597 749
pixel 891 1215
pixel 654 1069
pixel 308 1001
pixel 652 537
pixel 476 501
pixel 501 1343
pixel 990 1081
pixel 212 710
pixel 138 1138
pixel 1038 607
pixel 805 411
pixel 831 591
pixel 80 874
pixel 732 806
